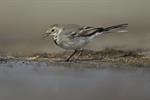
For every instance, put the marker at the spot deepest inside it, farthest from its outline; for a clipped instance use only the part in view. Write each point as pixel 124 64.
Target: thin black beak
pixel 45 35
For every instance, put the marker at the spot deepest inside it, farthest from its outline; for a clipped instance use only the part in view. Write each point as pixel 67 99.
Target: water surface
pixel 41 81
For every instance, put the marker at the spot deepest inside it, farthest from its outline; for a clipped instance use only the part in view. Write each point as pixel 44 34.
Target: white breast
pixel 56 36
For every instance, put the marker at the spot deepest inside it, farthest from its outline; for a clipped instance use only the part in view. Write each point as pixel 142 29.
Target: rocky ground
pixel 113 57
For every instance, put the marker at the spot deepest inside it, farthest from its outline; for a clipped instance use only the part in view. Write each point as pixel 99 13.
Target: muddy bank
pixel 106 57
pixel 97 75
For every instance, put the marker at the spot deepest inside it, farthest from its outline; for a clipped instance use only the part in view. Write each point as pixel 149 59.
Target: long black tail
pixel 102 30
pixel 121 26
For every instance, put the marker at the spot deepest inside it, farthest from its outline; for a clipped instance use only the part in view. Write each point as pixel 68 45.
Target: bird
pixel 75 37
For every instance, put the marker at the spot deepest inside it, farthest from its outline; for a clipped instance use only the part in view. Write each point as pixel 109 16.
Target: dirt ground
pixel 138 58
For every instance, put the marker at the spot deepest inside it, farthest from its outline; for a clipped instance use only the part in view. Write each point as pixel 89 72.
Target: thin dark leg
pixel 79 54
pixel 75 51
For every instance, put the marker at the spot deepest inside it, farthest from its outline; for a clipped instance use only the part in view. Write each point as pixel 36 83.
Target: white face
pixel 52 31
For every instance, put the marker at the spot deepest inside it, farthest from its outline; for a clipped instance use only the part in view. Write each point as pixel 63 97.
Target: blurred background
pixel 23 21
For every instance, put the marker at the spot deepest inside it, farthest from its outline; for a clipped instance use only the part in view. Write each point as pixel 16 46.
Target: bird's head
pixel 53 30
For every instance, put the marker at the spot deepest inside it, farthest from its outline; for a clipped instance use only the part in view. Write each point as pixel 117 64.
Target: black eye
pixel 52 30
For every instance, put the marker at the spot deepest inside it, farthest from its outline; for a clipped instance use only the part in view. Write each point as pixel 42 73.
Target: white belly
pixel 76 43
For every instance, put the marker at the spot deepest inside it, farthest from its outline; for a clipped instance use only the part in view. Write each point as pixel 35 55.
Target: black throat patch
pixel 55 41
